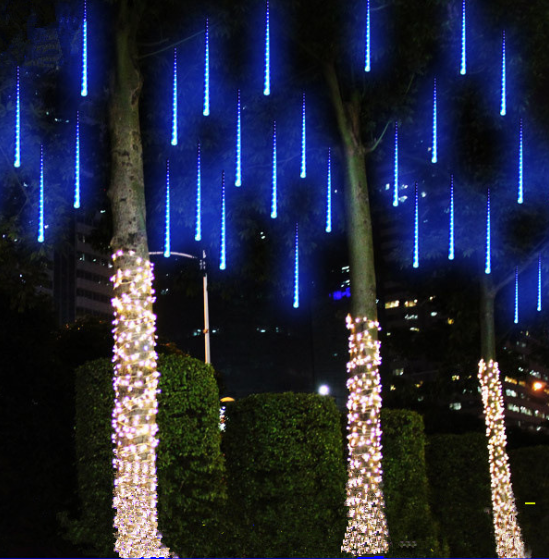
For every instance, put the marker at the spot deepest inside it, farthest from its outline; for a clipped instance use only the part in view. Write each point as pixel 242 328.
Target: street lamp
pixel 202 262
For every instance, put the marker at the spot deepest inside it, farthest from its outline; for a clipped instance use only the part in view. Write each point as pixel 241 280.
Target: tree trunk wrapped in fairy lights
pixel 135 375
pixel 509 542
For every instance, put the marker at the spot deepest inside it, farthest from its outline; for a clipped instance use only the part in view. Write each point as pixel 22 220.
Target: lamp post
pixel 202 262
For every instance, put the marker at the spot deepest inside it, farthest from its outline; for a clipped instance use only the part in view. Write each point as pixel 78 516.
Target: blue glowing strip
pixel 367 66
pixel 539 283
pixel 206 111
pixel 267 84
pixel 434 155
pixel 452 240
pixel 17 158
pixel 296 268
pixel 77 164
pixel 416 229
pixel 167 233
pixel 84 89
pixel 516 295
pixel 198 225
pixel 174 99
pixel 41 200
pixel 395 184
pixel 222 251
pixel 274 201
pixel 303 173
pixel 488 265
pixel 329 194
pixel 503 109
pixel 463 69
pixel 238 175
pixel 520 198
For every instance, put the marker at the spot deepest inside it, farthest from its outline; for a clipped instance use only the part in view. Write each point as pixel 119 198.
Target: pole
pixel 207 352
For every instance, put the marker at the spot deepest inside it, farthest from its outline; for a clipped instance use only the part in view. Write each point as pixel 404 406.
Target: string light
pixel 17 157
pixel 434 153
pixel 206 110
pixel 296 267
pixel 167 230
pixel 135 408
pixel 508 535
pixel 516 295
pixel 395 183
pixel 41 199
pixel 198 211
pixel 503 108
pixel 367 531
pixel 463 68
pixel 303 173
pixel 274 179
pixel 174 99
pixel 223 249
pixel 451 243
pixel 84 88
pixel 416 228
pixel 539 283
pixel 77 164
pixel 329 194
pixel 267 82
pixel 367 50
pixel 488 263
pixel 520 198
pixel 238 177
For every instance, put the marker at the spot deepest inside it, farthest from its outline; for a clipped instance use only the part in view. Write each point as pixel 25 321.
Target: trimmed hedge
pixel 412 529
pixel 286 476
pixel 457 466
pixel 191 485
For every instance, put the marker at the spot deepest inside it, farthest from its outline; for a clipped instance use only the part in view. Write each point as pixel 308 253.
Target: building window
pixel 455 406
pixel 411 317
pixel 509 392
pixel 398 372
pixel 455 377
pixel 414 329
pixel 392 304
pixel 410 303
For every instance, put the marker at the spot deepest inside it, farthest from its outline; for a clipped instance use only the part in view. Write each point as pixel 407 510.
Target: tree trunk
pixel 367 526
pixel 135 375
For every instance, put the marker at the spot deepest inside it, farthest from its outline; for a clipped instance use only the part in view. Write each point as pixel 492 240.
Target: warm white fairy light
pixel 135 407
pixel 509 541
pixel 367 526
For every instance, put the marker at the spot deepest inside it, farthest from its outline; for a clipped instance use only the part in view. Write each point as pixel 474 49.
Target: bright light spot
pixel 324 390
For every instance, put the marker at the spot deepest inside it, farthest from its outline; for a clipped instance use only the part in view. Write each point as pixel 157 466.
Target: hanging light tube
pixel 274 194
pixel 198 211
pixel 41 198
pixel 77 163
pixel 206 110
pixel 167 229
pixel 17 158
pixel 329 194
pixel 223 248
pixel 238 174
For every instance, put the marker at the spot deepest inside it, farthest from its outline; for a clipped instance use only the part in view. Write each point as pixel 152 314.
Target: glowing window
pixel 392 304
pixel 410 303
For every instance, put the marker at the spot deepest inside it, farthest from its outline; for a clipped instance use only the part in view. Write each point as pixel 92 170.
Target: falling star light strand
pixel 516 296
pixel 520 197
pixel 206 110
pixel 416 228
pixel 434 152
pixel 222 247
pixel 296 267
pixel 274 194
pixel 463 68
pixel 451 243
pixel 503 107
pixel 167 230
pixel 303 173
pixel 198 211
pixel 539 284
pixel 267 77
pixel 77 163
pixel 17 158
pixel 395 184
pixel 238 173
pixel 174 99
pixel 84 87
pixel 41 199
pixel 367 53
pixel 329 194
pixel 488 262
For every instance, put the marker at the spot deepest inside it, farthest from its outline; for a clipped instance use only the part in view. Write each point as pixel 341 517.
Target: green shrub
pixel 457 466
pixel 406 487
pixel 286 476
pixel 190 466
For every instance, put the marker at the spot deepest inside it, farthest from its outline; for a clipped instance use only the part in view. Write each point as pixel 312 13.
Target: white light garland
pixel 367 526
pixel 135 407
pixel 509 541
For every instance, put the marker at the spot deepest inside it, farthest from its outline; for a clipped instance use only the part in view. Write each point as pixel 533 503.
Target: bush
pixel 286 476
pixel 190 466
pixel 406 488
pixel 457 466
